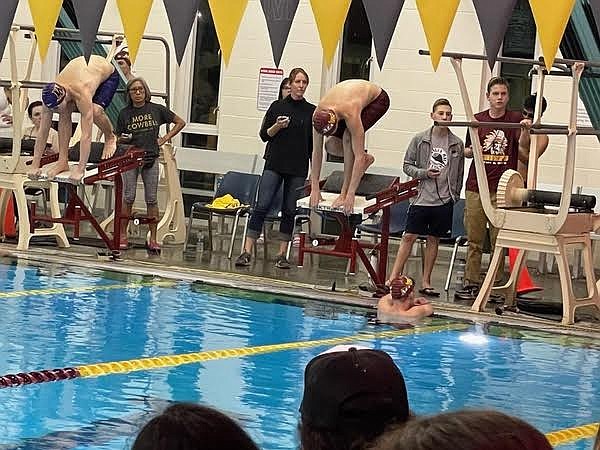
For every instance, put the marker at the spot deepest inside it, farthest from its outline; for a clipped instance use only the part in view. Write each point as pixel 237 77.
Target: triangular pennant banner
pixel 227 16
pixel 330 16
pixel 279 15
pixel 134 15
pixel 44 14
pixel 6 20
pixel 89 13
pixel 595 4
pixel 494 17
pixel 437 17
pixel 383 17
pixel 181 14
pixel 551 23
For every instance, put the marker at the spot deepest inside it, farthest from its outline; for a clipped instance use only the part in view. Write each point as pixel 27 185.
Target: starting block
pixel 76 210
pixel 376 193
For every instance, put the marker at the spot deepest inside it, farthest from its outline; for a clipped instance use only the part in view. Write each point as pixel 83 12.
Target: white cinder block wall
pixel 408 78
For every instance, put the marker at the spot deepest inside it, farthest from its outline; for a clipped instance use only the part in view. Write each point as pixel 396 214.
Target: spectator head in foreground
pixel 465 430
pixel 186 426
pixel 350 397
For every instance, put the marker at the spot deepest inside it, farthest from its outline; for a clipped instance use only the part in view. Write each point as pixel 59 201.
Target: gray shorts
pixel 150 179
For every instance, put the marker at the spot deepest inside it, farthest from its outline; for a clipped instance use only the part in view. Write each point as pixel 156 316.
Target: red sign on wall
pixel 268 87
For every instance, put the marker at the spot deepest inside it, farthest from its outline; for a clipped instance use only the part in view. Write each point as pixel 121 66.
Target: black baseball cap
pixel 345 389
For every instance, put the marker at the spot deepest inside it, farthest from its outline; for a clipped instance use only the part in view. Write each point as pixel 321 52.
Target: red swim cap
pixel 325 121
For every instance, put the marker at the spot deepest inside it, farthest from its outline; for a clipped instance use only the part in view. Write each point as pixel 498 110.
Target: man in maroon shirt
pixel 500 148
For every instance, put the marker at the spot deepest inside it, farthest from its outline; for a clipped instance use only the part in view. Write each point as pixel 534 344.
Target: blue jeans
pixel 270 183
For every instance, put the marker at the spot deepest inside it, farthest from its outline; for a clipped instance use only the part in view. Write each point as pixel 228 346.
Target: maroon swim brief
pixel 370 115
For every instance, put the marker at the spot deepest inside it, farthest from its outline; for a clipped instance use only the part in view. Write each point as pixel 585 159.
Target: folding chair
pixel 243 187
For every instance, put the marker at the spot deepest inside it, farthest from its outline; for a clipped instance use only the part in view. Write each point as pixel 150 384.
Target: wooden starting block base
pixel 554 244
pixel 16 184
pixel 171 226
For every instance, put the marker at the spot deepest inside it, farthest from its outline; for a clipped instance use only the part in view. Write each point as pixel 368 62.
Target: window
pixel 203 141
pixel 356 44
pixel 201 132
pixel 356 49
pixel 206 69
pixel 519 42
pixel 67 19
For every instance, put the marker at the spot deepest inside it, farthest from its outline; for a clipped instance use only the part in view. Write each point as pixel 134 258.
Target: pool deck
pixel 321 279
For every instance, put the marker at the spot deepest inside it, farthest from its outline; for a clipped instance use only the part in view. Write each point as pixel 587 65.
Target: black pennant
pixel 6 20
pixel 383 17
pixel 181 14
pixel 279 15
pixel 494 17
pixel 89 13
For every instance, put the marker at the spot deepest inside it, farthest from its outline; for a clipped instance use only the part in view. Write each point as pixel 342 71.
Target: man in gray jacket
pixel 436 158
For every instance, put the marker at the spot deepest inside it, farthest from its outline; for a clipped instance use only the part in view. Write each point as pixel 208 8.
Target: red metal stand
pixel 76 211
pixel 347 245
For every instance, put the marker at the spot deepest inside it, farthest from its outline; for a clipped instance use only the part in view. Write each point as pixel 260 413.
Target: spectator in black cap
pixel 464 430
pixel 350 397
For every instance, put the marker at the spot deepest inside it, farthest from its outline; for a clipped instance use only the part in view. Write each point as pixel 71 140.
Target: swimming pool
pixel 55 317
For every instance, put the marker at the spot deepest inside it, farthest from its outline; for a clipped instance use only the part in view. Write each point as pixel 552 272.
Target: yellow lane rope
pixel 79 289
pixel 568 435
pixel 158 362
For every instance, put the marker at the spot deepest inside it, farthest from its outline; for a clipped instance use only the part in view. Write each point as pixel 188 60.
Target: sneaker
pixel 153 246
pixel 282 262
pixel 468 292
pixel 243 260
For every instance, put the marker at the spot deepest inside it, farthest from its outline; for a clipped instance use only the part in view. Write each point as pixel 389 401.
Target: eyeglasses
pixel 137 89
pixel 527 114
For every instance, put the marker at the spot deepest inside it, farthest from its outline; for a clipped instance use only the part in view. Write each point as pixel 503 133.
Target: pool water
pixel 54 317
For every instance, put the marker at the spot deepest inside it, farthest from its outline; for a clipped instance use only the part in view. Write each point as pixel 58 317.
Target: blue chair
pixel 458 237
pixel 398 215
pixel 242 186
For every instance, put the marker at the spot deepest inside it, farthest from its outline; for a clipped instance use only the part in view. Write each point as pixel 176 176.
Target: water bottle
pixel 218 182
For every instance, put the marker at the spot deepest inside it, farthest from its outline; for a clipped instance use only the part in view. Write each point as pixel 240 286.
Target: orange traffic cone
pixel 9 219
pixel 524 282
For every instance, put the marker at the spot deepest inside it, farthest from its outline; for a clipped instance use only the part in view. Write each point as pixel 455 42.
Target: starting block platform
pixel 360 204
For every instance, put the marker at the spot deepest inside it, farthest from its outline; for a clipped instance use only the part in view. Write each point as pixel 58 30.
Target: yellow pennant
pixel 44 14
pixel 227 16
pixel 437 17
pixel 551 22
pixel 134 15
pixel 330 16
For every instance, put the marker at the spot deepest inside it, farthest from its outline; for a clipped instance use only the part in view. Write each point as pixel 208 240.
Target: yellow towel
pixel 225 202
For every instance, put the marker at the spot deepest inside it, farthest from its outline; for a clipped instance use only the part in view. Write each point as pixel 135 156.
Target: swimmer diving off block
pixel 89 89
pixel 343 115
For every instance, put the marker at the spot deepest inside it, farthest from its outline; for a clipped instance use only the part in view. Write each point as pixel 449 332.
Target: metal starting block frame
pixel 347 244
pixel 76 211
